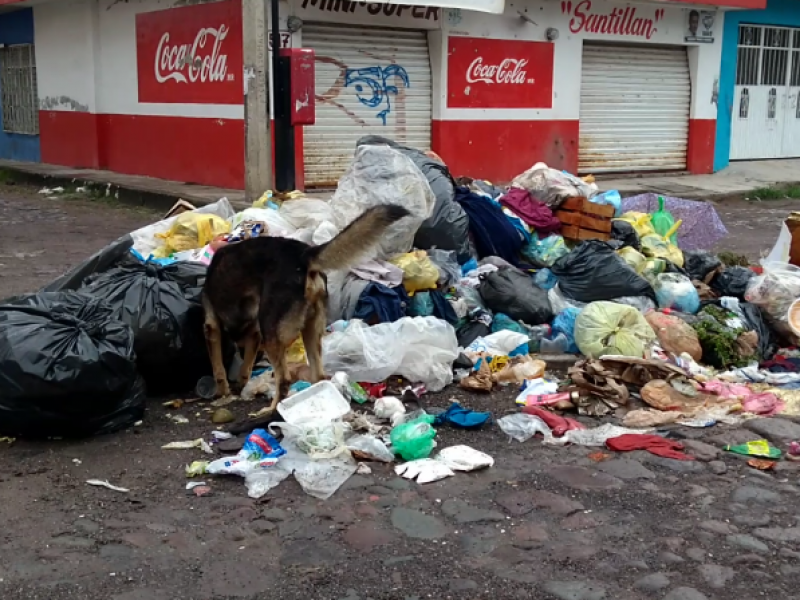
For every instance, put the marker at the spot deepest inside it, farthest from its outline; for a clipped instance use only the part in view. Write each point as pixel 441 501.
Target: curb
pixel 130 194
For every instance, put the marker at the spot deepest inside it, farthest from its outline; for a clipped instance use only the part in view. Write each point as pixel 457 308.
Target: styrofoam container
pixel 320 402
pixel 793 316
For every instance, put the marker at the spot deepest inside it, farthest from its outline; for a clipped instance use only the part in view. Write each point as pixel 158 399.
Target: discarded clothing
pixel 558 424
pixel 458 416
pixel 380 304
pixel 781 364
pixel 493 233
pixel 379 271
pixel 536 214
pixel 442 309
pixel 654 444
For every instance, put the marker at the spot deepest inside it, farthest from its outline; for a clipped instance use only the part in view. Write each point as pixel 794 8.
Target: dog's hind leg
pixel 252 343
pixel 213 335
pixel 312 339
pixel 276 353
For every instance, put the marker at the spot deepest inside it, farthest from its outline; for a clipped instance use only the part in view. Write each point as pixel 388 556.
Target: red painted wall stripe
pixel 500 150
pixel 700 150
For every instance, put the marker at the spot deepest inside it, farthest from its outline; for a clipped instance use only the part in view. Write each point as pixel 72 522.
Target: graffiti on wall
pixel 379 87
pixel 374 86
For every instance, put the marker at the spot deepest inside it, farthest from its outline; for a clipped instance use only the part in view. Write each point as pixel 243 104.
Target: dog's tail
pixel 356 240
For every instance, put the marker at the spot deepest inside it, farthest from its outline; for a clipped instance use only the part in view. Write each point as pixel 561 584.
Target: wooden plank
pixel 570 232
pixel 569 218
pixel 574 203
pixel 601 210
pixel 595 224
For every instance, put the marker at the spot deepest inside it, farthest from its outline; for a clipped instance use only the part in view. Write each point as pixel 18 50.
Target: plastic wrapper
pixel 513 292
pixel 522 427
pixel 564 324
pixel 419 272
pixel 677 292
pixel 189 231
pixel 608 328
pixel 67 367
pixel 414 440
pixel 593 271
pixel 424 470
pixel 162 305
pixel 422 349
pixel 464 458
pixel 775 291
pixel 552 186
pixel 368 447
pixel 382 175
pixel 675 335
pixel 447 264
pixel 545 251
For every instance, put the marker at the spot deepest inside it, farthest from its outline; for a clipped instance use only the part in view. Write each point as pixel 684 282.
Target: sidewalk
pixel 738 179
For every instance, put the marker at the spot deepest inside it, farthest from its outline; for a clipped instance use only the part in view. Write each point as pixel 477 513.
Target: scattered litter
pixel 190 444
pixel 464 458
pixel 755 448
pixel 424 470
pixel 522 427
pixel 414 439
pixel 363 469
pixel 179 419
pixel 106 484
pixel 761 464
pixel 193 484
pixel 222 416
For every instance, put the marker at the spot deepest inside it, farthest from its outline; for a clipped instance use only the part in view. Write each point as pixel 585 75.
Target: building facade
pixel 759 94
pixel 158 87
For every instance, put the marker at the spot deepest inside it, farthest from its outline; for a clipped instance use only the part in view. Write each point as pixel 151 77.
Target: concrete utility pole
pixel 258 138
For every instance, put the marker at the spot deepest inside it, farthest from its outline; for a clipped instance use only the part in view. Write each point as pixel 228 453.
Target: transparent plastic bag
pixel 382 175
pixel 421 349
pixel 546 250
pixel 775 290
pixel 317 439
pixel 414 440
pixel 191 230
pixel 522 426
pixel 419 272
pixel 676 291
pixel 260 482
pixel 277 226
pixel 447 264
pixel 609 328
pixel 370 448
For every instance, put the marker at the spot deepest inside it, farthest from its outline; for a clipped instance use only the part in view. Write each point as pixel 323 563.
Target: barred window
pixel 18 84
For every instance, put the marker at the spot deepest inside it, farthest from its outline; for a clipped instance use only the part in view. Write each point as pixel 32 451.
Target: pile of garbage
pixel 481 286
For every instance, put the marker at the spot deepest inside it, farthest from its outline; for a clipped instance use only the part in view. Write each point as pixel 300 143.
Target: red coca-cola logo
pixel 202 60
pixel 509 70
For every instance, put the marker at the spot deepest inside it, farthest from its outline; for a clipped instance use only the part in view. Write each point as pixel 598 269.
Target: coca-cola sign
pixel 191 54
pixel 484 73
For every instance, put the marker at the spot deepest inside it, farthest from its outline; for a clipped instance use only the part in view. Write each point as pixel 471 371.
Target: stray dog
pixel 265 292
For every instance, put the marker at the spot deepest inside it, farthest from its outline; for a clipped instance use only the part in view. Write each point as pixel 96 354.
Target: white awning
pixel 488 6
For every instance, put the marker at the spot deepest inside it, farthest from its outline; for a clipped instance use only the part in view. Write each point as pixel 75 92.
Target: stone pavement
pixel 738 179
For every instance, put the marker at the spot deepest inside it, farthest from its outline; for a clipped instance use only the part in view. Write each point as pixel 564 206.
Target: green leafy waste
pixel 718 340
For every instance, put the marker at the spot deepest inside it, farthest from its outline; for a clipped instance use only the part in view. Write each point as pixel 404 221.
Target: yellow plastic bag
pixel 191 230
pixel 654 246
pixel 296 352
pixel 635 259
pixel 610 328
pixel 641 222
pixel 419 272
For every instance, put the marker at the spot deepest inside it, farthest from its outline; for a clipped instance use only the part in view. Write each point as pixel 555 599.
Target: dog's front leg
pixel 213 334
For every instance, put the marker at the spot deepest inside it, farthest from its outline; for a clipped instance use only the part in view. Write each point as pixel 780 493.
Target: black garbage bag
pixel 699 263
pixel 732 282
pixel 513 293
pixel 67 367
pixel 755 321
pixel 624 232
pixel 448 226
pixel 471 331
pixel 162 304
pixel 593 272
pixel 102 260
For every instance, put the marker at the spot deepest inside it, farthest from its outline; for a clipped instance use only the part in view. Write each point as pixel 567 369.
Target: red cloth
pixel 536 214
pixel 654 444
pixel 558 424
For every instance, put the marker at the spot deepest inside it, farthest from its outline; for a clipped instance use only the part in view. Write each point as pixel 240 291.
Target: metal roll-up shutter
pixel 634 109
pixel 368 81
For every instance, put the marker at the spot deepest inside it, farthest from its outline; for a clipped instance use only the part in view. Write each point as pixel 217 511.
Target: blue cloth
pixel 458 416
pixel 381 304
pixel 442 309
pixel 493 233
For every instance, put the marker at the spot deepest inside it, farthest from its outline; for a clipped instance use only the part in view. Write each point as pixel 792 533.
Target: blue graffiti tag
pixel 373 88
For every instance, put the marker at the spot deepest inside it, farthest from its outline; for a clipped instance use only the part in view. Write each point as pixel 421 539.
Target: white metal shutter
pixel 364 76
pixel 634 113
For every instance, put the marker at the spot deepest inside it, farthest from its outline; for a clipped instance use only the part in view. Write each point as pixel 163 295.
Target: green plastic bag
pixel 663 222
pixel 610 328
pixel 414 440
pixel 756 448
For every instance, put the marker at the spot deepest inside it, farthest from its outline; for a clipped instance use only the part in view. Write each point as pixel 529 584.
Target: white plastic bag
pixel 370 446
pixel 421 349
pixel 381 175
pixel 262 481
pixel 775 291
pixel 319 478
pixel 387 407
pixel 313 219
pixel 277 226
pixel 522 426
pixel 499 343
pixel 592 437
pixel 464 458
pixel 424 470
